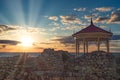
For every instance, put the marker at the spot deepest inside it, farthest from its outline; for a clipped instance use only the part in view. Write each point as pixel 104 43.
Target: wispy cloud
pixel 54 28
pixel 87 16
pixel 34 30
pixel 70 28
pixel 118 9
pixel 115 45
pixel 102 26
pixel 9 42
pixel 65 39
pixel 70 20
pixel 104 9
pixel 64 43
pixel 6 28
pixel 79 9
pixel 39 48
pixel 46 43
pixel 101 19
pixel 115 17
pixel 54 24
pixel 54 18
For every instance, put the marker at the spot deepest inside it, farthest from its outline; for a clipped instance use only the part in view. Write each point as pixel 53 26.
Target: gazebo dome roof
pixel 92 29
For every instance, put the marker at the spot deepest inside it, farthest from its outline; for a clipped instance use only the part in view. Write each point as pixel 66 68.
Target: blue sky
pixel 47 20
pixel 19 12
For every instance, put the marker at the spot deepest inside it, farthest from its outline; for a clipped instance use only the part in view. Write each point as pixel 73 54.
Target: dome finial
pixel 91 21
pixel 91 18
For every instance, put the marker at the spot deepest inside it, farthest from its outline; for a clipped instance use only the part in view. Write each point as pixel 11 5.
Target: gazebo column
pixel 107 45
pixel 84 43
pixel 77 46
pixel 86 46
pixel 98 44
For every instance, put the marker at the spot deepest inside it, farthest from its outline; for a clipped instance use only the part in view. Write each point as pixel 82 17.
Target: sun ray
pixel 34 9
pixel 17 14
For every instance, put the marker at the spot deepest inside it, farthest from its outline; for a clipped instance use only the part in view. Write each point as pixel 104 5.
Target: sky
pixel 50 23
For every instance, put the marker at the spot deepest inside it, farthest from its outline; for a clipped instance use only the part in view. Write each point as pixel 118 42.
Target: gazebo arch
pixel 91 33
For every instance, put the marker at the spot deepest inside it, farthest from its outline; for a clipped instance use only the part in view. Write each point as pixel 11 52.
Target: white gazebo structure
pixel 91 33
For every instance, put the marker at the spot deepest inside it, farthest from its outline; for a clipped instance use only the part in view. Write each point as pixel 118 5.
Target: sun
pixel 27 41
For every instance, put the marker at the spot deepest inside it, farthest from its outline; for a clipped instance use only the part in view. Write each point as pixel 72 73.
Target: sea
pixel 11 54
pixel 35 54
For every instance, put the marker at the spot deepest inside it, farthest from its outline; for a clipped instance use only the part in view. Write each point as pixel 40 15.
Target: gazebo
pixel 91 33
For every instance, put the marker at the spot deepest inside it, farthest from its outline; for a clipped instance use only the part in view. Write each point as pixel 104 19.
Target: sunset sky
pixel 33 25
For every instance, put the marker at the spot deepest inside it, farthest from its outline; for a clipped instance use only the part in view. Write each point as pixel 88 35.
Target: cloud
pixel 39 47
pixel 54 24
pixel 30 30
pixel 65 39
pixel 37 44
pixel 47 43
pixel 104 9
pixel 70 20
pixel 101 19
pixel 9 42
pixel 114 49
pixel 79 9
pixel 71 28
pixel 102 26
pixel 115 45
pixel 95 14
pixel 118 9
pixel 3 46
pixel 6 28
pixel 54 28
pixel 87 16
pixel 33 30
pixel 115 17
pixel 54 18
